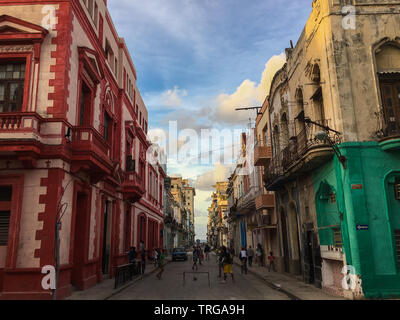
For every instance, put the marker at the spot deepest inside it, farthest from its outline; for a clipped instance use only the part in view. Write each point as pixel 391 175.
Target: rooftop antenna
pixel 250 108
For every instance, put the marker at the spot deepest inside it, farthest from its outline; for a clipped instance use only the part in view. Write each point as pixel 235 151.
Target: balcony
pixel 262 154
pixel 246 203
pixel 265 201
pixel 90 152
pixel 20 136
pixel 132 187
pixel 303 154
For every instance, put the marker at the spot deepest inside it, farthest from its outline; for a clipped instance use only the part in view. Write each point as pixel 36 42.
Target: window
pixel 85 105
pixel 107 127
pixel 90 8
pixel 96 14
pixel 333 197
pixel 337 233
pixel 130 164
pixel 12 78
pixel 5 213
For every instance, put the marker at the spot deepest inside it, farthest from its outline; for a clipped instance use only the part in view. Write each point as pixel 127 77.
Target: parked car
pixel 179 254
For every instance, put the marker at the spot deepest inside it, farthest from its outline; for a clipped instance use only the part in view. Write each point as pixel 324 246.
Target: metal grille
pixel 397 239
pixel 397 190
pixel 338 238
pixel 4 226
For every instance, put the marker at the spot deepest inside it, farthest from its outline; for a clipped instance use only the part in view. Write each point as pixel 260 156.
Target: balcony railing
pixel 21 121
pixel 262 153
pixel 265 201
pixel 87 138
pixel 299 148
pixel 133 186
pixel 387 127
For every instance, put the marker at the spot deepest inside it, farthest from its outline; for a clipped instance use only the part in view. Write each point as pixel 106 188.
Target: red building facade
pixel 72 147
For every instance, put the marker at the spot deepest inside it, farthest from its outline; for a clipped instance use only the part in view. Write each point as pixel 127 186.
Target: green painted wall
pixel 365 197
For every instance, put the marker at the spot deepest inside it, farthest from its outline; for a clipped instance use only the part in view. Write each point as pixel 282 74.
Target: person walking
pixel 243 259
pixel 161 263
pixel 195 258
pixel 271 260
pixel 228 265
pixel 250 255
pixel 156 255
pixel 201 255
pixel 207 252
pixel 260 255
pixel 132 255
pixel 220 259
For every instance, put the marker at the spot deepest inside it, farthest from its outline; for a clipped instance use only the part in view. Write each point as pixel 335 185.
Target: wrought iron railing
pixel 387 126
pixel 297 148
pixel 127 273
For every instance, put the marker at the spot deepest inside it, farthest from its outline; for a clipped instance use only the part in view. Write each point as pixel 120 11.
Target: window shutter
pixel 4 227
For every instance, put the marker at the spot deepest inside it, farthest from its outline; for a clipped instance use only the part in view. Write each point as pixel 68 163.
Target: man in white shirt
pixel 243 258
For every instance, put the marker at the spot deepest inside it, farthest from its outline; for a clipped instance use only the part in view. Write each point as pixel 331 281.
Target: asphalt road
pixel 171 287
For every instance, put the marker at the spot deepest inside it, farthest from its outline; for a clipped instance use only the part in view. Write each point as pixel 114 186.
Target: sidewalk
pixel 105 289
pixel 290 285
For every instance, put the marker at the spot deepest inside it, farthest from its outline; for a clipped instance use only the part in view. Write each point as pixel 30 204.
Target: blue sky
pixel 199 59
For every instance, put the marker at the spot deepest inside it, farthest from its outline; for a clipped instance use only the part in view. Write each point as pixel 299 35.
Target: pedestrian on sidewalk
pixel 207 252
pixel 161 264
pixel 156 255
pixel 220 259
pixel 243 259
pixel 201 255
pixel 271 260
pixel 195 258
pixel 260 255
pixel 250 255
pixel 143 261
pixel 228 265
pixel 132 255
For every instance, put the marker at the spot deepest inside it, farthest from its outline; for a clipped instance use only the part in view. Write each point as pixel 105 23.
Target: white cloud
pixel 173 98
pixel 247 94
pixel 207 180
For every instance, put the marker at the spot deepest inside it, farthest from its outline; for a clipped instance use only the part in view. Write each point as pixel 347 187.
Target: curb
pixel 128 285
pixel 271 284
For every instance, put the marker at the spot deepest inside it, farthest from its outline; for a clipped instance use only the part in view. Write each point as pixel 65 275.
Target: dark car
pixel 179 254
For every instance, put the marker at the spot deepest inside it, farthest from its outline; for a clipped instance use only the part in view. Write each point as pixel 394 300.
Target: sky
pixel 198 60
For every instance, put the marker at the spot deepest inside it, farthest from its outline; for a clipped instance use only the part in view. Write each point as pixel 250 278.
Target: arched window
pixel 285 130
pixel 388 67
pixel 317 99
pixel 277 144
pixel 300 124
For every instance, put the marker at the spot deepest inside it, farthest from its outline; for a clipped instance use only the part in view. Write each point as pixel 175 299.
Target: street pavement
pixel 196 286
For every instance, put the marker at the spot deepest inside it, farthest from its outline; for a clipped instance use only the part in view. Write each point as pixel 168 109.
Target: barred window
pixel 397 189
pixel 338 238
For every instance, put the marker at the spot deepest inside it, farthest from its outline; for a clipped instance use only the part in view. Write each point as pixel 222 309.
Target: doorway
pixel 285 242
pixel 106 251
pixel 79 240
